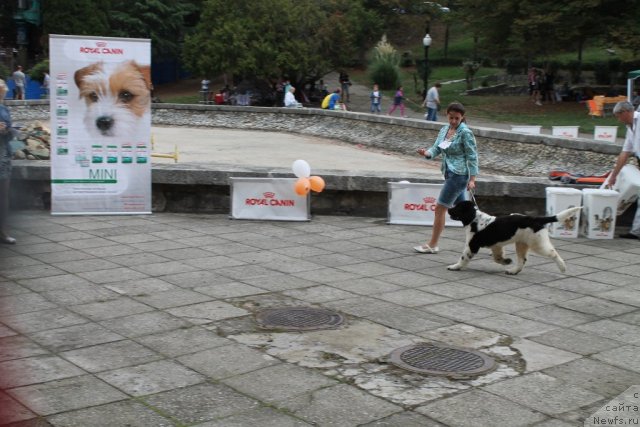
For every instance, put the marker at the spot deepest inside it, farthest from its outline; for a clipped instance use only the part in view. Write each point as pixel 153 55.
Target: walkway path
pixel 149 321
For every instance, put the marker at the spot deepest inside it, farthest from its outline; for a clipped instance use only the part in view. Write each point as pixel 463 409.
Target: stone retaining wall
pixel 199 188
pixel 500 151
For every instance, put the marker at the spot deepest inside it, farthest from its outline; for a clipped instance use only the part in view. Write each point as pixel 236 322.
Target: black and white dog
pixel 486 231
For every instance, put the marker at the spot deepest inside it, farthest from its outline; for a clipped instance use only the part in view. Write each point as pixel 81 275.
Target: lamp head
pixel 426 41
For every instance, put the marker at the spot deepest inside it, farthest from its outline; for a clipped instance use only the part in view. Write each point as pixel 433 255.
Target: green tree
pixel 303 39
pixel 79 17
pixel 162 21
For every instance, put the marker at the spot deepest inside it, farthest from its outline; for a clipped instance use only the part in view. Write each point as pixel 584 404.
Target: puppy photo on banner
pixel 101 125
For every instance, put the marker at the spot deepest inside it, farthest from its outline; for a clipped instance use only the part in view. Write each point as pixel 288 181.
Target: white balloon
pixel 301 169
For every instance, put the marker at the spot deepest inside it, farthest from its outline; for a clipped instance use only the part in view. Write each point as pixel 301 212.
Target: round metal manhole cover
pixel 298 318
pixel 434 359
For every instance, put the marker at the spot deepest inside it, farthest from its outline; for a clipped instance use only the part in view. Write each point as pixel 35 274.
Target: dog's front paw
pixel 513 271
pixel 507 261
pixel 454 267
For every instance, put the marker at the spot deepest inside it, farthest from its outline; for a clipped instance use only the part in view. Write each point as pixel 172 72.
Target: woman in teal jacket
pixel 457 145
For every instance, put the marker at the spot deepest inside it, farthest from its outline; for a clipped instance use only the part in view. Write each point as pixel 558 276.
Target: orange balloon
pixel 317 183
pixel 302 186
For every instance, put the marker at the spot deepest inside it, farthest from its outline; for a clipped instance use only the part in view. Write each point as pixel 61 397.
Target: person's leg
pixel 438 225
pixel 393 108
pixel 431 114
pixel 4 208
pixel 402 109
pixel 635 226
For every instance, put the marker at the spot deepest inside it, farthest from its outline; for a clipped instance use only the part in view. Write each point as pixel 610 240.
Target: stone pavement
pixel 148 321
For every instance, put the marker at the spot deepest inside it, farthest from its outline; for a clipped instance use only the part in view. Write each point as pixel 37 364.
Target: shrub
pixel 384 69
pixel 4 72
pixel 38 70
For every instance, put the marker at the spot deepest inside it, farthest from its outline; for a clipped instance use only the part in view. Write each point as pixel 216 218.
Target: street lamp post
pixel 426 42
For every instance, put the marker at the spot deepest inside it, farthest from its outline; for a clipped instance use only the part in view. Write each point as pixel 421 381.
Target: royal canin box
pixel 559 199
pixel 628 185
pixel 599 213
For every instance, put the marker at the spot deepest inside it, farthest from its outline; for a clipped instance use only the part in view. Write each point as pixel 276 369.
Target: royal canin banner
pixel 100 125
pixel 268 198
pixel 415 204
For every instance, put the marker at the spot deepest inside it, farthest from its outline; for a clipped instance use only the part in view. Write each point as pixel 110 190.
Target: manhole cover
pixel 433 359
pixel 298 318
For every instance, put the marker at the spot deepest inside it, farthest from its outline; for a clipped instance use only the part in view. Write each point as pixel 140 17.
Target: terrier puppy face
pixel 117 97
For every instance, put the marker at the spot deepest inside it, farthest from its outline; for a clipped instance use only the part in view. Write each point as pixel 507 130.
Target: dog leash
pixel 473 198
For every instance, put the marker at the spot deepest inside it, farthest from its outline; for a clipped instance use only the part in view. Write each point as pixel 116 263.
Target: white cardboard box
pixel 268 199
pixel 415 204
pixel 559 199
pixel 605 133
pixel 566 131
pixel 599 213
pixel 628 185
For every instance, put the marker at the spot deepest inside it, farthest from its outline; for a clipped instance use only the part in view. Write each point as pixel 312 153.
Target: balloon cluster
pixel 306 182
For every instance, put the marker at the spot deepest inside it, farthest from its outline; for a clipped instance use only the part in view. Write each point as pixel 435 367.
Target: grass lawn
pixel 501 109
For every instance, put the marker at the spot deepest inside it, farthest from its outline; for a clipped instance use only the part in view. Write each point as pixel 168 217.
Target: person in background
pixel 6 135
pixel 432 102
pixel 376 97
pixel 46 81
pixel 290 99
pixel 457 144
pixel 324 89
pixel 398 101
pixel 345 84
pixel 330 101
pixel 204 89
pixel 20 81
pixel 625 114
pixel 531 78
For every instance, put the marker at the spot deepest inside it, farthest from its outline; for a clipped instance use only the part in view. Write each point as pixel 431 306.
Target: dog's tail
pixel 562 215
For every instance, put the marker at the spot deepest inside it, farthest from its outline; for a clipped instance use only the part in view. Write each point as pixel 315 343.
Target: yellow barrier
pixel 173 155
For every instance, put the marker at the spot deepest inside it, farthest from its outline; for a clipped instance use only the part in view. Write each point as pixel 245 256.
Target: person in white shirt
pixel 290 99
pixel 432 102
pixel 625 113
pixel 20 81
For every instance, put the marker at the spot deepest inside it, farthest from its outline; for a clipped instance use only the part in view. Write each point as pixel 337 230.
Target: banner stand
pixel 100 138
pixel 268 199
pixel 414 204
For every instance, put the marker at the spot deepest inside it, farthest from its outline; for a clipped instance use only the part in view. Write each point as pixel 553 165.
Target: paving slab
pixel 68 394
pixel 128 413
pixel 202 402
pixel 277 383
pixel 544 393
pixel 151 377
pixel 601 378
pixel 489 410
pixel 339 405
